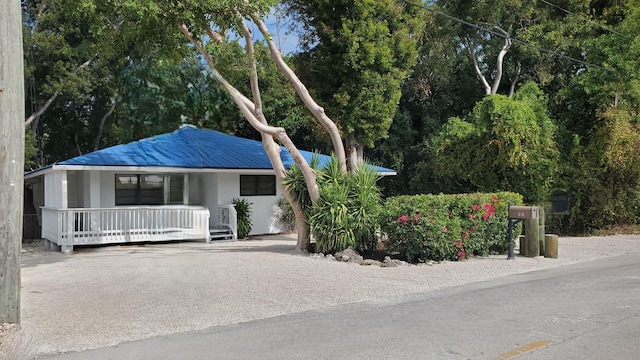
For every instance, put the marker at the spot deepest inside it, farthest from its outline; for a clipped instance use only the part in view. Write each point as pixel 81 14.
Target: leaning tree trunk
pixel 307 99
pixel 253 113
pixel 272 149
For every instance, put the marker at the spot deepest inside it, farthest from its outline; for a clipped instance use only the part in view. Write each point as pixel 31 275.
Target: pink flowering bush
pixel 446 227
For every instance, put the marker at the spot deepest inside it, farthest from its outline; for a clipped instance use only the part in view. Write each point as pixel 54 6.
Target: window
pixel 256 185
pixel 149 189
pixel 176 189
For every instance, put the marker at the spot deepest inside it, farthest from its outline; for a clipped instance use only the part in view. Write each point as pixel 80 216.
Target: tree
pixel 357 55
pixel 209 20
pixel 74 51
pixel 11 158
pixel 506 144
pixel 156 96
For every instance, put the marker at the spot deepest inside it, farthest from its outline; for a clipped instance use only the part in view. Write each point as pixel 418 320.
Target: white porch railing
pixel 82 226
pixel 227 216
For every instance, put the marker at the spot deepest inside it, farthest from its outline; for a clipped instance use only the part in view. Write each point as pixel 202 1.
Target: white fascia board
pixel 36 173
pixel 157 169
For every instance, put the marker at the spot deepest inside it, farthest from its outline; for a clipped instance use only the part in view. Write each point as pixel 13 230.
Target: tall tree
pixel 505 144
pixel 357 53
pixel 11 158
pixel 207 21
pixel 73 53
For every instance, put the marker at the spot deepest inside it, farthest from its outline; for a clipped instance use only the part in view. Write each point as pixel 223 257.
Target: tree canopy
pixel 532 97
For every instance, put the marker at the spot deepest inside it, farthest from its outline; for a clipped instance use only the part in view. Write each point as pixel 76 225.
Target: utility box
pixel 523 212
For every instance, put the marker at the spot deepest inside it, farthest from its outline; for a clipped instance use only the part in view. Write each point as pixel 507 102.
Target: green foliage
pixel 604 176
pixel 30 150
pixel 368 47
pixel 295 183
pixel 243 210
pixel 420 228
pixel 286 215
pixel 346 213
pixel 506 144
pixel 159 96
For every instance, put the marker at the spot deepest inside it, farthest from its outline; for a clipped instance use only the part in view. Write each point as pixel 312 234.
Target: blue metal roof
pixel 190 147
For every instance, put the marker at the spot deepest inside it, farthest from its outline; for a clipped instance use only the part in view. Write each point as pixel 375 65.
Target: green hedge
pixel 420 228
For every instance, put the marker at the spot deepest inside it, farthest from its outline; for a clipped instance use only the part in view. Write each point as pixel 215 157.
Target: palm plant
pixel 243 210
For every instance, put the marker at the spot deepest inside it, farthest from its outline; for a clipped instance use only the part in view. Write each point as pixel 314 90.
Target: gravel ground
pixel 102 296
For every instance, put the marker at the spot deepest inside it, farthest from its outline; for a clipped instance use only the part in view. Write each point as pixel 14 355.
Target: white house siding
pixel 209 195
pixel 55 184
pixel 263 208
pixel 107 189
pixel 89 189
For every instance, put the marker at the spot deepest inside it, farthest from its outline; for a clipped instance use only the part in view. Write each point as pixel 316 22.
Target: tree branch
pixel 215 36
pixel 512 88
pixel 500 60
pixel 104 118
pixel 253 74
pixel 277 132
pixel 43 108
pixel 483 80
pixel 302 91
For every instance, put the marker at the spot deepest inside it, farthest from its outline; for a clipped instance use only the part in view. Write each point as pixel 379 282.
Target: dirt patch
pixel 16 343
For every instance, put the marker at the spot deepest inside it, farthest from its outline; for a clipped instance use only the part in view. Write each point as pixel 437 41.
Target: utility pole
pixel 11 158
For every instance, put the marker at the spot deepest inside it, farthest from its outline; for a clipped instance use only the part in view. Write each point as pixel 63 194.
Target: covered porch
pixel 92 207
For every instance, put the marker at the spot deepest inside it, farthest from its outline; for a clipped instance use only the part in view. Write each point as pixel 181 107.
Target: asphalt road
pixel 589 310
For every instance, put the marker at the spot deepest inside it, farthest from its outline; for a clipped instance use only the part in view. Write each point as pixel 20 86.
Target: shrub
pixel 286 215
pixel 243 210
pixel 347 211
pixel 447 227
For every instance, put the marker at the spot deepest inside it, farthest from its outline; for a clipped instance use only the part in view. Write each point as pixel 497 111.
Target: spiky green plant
pixel 243 211
pixel 294 182
pixel 347 212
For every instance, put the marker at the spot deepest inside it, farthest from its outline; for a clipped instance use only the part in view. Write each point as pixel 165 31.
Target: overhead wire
pixel 514 40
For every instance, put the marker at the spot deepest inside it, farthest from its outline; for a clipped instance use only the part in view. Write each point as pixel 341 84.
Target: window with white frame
pixel 257 185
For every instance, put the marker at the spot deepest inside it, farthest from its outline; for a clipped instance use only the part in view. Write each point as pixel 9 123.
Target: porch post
pixel 64 192
pixel 94 189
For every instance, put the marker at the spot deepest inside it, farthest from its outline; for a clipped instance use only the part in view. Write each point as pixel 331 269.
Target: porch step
pixel 220 233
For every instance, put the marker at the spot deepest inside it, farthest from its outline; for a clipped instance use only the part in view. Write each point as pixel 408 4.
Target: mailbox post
pixel 518 213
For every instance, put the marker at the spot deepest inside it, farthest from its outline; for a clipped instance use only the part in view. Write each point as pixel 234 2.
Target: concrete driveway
pixel 102 296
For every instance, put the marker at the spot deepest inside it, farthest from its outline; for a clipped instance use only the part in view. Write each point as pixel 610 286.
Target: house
pixel 174 186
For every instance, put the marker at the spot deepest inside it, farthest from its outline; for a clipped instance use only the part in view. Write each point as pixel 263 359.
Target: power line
pixel 522 42
pixel 587 20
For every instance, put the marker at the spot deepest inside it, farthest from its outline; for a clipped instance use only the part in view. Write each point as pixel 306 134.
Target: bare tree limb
pixel 104 118
pixel 40 111
pixel 253 75
pixel 483 80
pixel 36 115
pixel 277 132
pixel 272 149
pixel 75 136
pixel 500 60
pixel 512 88
pixel 215 36
pixel 302 91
